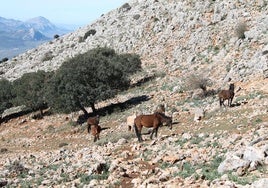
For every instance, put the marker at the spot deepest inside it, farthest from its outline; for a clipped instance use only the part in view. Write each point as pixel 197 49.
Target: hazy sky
pixel 73 12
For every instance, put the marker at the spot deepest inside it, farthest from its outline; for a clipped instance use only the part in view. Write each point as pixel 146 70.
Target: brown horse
pixel 95 131
pixel 152 120
pixel 92 121
pixel 226 94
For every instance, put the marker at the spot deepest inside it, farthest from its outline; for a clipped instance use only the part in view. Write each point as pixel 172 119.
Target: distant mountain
pixel 44 26
pixel 17 36
pixel 40 23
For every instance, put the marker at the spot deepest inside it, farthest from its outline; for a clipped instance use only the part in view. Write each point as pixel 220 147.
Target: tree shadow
pixel 14 115
pixel 114 108
pixel 142 81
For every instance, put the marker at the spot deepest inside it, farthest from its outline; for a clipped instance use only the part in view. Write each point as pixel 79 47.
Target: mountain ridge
pixel 16 34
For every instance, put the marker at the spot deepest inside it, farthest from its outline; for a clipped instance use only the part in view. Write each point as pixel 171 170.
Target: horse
pixel 226 94
pixel 92 121
pixel 95 131
pixel 130 121
pixel 151 120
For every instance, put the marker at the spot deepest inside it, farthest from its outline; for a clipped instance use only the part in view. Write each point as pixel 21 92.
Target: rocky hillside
pixel 181 43
pixel 174 35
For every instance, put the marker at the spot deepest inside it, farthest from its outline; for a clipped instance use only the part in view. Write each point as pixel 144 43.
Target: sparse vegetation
pixel 18 168
pixel 239 180
pixel 197 81
pixel 56 36
pixel 125 7
pixel 6 95
pixel 4 60
pixel 47 56
pixel 115 138
pixel 63 144
pixel 89 33
pixel 240 30
pixel 187 170
pixel 29 90
pixel 85 178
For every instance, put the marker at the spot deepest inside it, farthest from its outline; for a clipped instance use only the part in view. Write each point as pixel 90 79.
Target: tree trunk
pixel 93 107
pixel 41 112
pixel 84 110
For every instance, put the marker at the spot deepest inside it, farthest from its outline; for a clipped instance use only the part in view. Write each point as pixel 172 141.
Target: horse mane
pixel 231 87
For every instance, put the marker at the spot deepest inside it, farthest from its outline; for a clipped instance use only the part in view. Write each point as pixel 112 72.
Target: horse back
pixel 93 120
pixel 226 94
pixel 147 120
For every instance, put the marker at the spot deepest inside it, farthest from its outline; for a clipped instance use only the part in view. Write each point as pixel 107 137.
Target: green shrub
pixel 6 95
pixel 197 81
pixel 47 56
pixel 85 179
pixel 96 75
pixel 4 60
pixel 240 30
pixel 89 33
pixel 187 170
pixel 125 7
pixel 29 90
pixel 56 36
pixel 63 144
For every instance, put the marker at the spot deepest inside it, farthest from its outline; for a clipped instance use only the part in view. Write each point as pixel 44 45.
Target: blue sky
pixel 69 12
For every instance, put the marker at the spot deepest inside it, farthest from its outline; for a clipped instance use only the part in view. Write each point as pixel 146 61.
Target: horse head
pixel 165 119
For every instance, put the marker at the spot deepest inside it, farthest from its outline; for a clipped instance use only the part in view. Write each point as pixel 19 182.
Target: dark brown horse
pixel 152 120
pixel 92 121
pixel 226 95
pixel 95 131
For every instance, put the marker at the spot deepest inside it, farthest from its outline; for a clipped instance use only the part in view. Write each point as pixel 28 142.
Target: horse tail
pixel 136 129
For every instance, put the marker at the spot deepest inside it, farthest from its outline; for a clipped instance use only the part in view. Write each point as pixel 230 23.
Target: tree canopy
pixel 5 95
pixel 91 77
pixel 29 90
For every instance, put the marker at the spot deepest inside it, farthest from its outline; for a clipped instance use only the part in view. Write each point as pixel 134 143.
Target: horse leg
pixel 156 131
pixel 138 132
pixel 88 128
pixel 140 138
pixel 223 102
pixel 95 139
pixel 231 100
pixel 151 136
